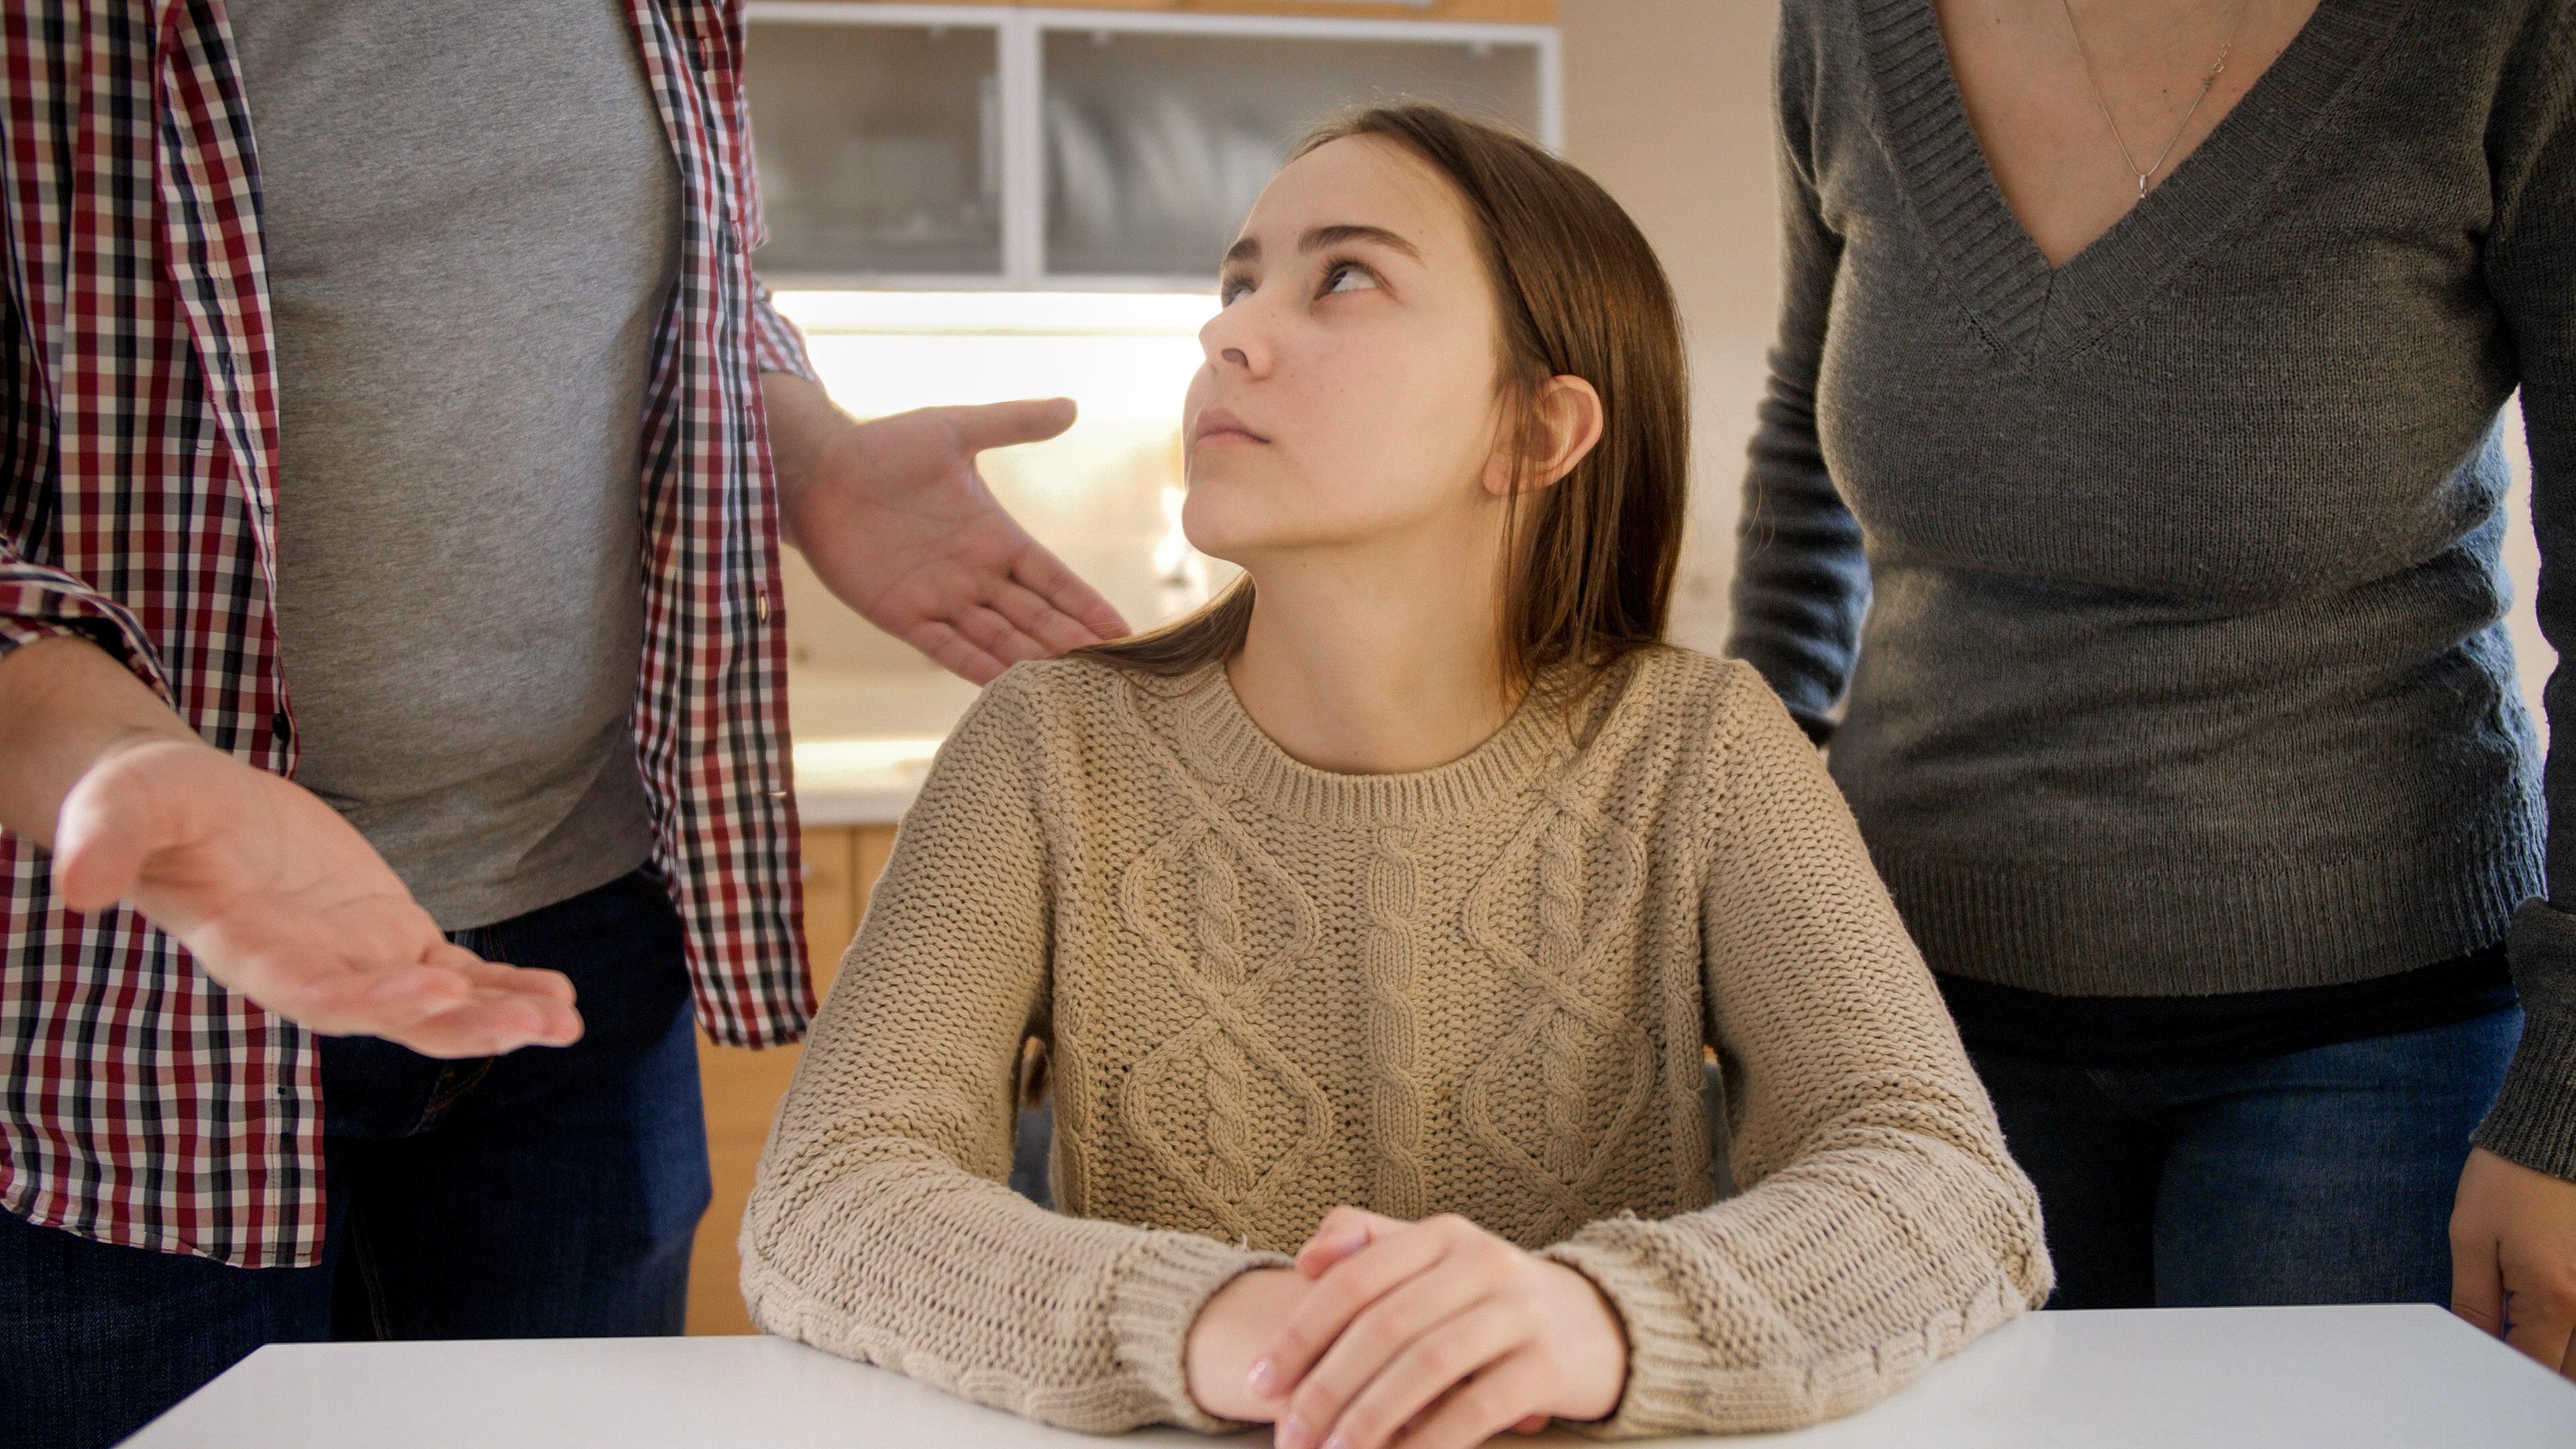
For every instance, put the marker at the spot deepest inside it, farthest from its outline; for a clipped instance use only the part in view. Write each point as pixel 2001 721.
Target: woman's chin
pixel 1216 524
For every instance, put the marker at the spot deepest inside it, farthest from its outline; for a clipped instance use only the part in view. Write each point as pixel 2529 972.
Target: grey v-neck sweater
pixel 2162 588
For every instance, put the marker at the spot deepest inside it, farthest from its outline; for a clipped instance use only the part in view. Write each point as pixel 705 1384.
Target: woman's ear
pixel 1562 425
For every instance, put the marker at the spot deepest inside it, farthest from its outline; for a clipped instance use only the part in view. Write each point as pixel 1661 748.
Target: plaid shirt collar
pixel 141 1104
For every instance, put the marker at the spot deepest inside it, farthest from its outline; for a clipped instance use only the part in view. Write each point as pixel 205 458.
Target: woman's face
pixel 1349 390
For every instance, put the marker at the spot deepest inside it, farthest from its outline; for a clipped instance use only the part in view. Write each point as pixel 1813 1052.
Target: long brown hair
pixel 1579 292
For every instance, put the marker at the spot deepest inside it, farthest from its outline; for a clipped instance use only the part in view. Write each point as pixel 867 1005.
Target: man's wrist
pixel 66 707
pixel 804 426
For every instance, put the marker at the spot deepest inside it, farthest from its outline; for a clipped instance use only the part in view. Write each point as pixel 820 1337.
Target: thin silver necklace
pixel 2104 101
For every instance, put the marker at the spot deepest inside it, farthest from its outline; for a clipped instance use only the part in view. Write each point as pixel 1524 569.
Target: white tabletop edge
pixel 2334 1378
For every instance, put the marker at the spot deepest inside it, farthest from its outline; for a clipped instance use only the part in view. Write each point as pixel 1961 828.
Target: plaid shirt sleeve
pixel 776 342
pixel 141 1104
pixel 42 603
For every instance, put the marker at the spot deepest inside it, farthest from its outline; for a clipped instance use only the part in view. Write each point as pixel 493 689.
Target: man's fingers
pixel 499 1009
pixel 987 629
pixel 490 1025
pixel 953 652
pixel 1045 575
pixel 536 982
pixel 1042 623
pixel 1002 424
pixel 450 1003
pixel 548 995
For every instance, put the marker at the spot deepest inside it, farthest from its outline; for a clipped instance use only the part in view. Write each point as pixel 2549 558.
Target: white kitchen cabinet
pixel 879 147
pixel 1024 148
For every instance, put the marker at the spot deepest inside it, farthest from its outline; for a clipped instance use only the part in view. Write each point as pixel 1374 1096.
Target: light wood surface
pixel 743 1087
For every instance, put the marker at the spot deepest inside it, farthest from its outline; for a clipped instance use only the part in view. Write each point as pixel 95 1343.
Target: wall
pixel 1667 103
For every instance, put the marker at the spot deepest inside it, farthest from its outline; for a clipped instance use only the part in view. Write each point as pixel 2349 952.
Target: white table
pixel 2337 1378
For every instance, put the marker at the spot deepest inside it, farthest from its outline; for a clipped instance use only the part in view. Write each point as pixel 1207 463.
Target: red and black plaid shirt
pixel 140 1103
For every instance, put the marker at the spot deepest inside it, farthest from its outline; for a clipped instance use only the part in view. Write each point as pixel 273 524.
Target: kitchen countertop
pixel 2206 1378
pixel 864 738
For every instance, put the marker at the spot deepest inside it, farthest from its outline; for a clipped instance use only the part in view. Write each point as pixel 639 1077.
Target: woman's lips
pixel 1218 426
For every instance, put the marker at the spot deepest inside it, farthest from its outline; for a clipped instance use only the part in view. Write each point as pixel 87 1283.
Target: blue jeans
pixel 2322 1176
pixel 548 1193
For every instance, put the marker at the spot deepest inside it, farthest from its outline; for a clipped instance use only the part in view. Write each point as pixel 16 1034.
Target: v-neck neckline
pixel 2027 309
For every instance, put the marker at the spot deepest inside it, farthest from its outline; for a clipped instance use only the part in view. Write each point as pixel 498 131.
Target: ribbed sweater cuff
pixel 2533 1121
pixel 1152 1303
pixel 1667 1361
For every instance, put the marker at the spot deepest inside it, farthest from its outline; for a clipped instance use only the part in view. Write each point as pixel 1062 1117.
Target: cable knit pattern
pixel 1395 1121
pixel 1480 989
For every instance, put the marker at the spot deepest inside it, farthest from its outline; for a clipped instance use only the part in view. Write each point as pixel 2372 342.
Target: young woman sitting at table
pixel 1379 914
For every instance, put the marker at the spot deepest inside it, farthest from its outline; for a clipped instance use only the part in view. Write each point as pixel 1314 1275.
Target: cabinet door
pixel 1157 142
pixel 879 146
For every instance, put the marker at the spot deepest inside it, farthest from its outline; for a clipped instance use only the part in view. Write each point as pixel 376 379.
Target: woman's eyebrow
pixel 1248 249
pixel 1333 236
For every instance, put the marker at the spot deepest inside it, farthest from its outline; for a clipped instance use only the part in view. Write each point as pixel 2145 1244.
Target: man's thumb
pixel 1001 424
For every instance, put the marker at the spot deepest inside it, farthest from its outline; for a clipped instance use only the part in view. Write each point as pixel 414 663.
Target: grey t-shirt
pixel 472 226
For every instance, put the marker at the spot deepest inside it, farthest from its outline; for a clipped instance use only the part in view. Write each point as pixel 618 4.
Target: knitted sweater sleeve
pixel 1801 578
pixel 2531 273
pixel 1882 1225
pixel 881 1228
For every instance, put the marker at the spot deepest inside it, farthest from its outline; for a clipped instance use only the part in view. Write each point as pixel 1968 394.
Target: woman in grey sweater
pixel 2130 475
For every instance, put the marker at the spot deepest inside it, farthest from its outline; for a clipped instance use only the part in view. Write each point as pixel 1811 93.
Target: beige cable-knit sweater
pixel 1479 989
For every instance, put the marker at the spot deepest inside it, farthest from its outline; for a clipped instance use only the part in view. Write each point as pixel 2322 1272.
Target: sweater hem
pixel 2273 925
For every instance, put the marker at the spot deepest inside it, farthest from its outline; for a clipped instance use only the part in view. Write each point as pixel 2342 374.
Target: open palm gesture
pixel 897 522
pixel 280 899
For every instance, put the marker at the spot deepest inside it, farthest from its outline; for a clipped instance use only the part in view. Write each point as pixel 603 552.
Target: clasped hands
pixel 1420 1335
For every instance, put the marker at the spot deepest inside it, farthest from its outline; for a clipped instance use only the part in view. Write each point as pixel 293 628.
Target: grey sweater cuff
pixel 2533 1121
pixel 1155 1298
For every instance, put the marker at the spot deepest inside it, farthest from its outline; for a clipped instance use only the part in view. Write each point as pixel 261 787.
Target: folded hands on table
pixel 1397 1335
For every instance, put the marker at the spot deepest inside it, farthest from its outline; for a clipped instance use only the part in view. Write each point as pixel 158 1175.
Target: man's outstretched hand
pixel 272 892
pixel 278 898
pixel 896 521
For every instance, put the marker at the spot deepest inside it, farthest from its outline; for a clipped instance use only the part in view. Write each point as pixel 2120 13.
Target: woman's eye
pixel 1231 288
pixel 1348 277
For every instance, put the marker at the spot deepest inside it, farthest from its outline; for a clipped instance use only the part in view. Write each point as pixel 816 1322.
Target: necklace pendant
pixel 2142 188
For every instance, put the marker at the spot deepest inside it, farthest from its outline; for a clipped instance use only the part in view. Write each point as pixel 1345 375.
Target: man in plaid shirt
pixel 394 449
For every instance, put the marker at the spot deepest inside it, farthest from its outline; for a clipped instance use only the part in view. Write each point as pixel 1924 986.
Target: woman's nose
pixel 1238 337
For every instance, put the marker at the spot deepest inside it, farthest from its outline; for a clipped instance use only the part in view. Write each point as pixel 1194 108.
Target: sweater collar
pixel 1225 747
